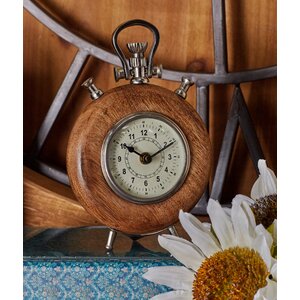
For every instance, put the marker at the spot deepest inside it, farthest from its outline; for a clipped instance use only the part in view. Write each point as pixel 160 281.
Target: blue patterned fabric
pixel 104 278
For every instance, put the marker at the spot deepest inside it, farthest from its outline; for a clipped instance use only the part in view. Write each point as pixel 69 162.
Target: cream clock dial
pixel 145 157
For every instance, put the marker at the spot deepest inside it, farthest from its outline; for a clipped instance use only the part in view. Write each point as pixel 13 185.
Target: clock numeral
pixel 169 156
pixel 166 169
pixel 132 179
pixel 144 132
pixel 119 158
pixel 131 136
pixel 157 179
pixel 124 171
pixel 145 183
pixel 155 135
pixel 122 146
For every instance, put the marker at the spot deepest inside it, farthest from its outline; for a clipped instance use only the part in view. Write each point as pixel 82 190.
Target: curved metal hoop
pixel 119 51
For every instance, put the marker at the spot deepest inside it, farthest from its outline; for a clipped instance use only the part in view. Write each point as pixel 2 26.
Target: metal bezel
pixel 104 158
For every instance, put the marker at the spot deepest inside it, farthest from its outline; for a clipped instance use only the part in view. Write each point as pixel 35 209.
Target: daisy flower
pixel 229 259
pixel 263 199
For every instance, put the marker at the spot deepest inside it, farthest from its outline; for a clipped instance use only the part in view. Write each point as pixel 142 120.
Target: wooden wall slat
pixel 51 204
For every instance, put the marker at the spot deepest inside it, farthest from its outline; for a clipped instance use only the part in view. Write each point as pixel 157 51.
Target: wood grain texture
pixel 84 166
pixel 50 204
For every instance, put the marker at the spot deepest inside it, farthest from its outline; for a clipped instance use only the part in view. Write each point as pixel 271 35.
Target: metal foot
pixel 110 240
pixel 173 230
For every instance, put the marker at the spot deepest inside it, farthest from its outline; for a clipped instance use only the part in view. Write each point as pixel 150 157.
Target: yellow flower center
pixel 233 274
pixel 265 210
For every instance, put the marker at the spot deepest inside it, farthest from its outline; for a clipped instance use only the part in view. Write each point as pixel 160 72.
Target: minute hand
pixel 162 149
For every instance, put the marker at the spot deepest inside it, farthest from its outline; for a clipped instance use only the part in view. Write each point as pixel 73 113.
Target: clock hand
pixel 131 150
pixel 145 158
pixel 162 149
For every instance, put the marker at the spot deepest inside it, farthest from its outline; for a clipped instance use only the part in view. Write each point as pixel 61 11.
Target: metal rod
pixel 59 100
pixel 219 30
pixel 202 107
pixel 248 130
pixel 199 79
pixel 229 78
pixel 50 171
pixel 110 240
pixel 226 149
pixel 173 231
pixel 69 36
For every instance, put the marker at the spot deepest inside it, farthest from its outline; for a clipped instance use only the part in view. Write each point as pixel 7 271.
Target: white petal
pixel 261 246
pixel 268 292
pixel 174 295
pixel 245 201
pixel 221 224
pixel 274 233
pixel 241 226
pixel 227 211
pixel 274 271
pixel 239 199
pixel 258 296
pixel 184 251
pixel 207 226
pixel 200 235
pixel 266 184
pixel 178 278
pixel 251 218
pixel 260 229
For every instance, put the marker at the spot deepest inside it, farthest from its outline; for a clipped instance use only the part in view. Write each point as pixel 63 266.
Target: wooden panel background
pixel 186 45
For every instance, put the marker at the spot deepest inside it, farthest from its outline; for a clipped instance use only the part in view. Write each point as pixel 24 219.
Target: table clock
pixel 138 153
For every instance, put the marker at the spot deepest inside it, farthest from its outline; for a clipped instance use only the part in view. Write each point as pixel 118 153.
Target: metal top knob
pixel 137 62
pixel 137 48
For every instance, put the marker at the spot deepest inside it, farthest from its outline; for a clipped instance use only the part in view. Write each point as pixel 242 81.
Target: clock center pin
pixel 145 158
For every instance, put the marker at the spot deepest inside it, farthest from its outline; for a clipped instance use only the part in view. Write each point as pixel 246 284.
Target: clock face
pixel 145 157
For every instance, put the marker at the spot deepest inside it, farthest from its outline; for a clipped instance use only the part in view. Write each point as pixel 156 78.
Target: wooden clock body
pixel 84 158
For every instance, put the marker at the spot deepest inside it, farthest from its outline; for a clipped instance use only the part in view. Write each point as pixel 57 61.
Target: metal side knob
pixel 119 73
pixel 186 83
pixel 95 93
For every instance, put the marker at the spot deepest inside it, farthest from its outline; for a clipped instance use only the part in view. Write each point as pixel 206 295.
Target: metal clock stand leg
pixel 113 234
pixel 110 240
pixel 173 230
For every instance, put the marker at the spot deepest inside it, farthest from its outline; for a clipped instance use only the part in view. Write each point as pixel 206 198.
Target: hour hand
pixel 131 149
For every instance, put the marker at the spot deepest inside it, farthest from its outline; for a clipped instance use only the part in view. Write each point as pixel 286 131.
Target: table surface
pixel 73 264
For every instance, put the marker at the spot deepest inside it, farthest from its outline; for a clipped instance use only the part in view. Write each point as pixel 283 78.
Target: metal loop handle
pixel 120 53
